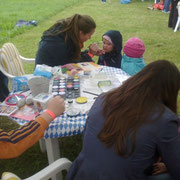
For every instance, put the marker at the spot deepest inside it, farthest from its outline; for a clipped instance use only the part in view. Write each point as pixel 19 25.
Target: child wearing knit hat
pixel 112 46
pixel 132 60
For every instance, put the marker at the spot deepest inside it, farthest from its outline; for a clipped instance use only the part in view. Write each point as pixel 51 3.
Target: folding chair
pixel 11 61
pixel 46 173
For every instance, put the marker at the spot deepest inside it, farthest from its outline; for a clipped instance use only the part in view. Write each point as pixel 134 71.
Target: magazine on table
pixel 27 112
pixel 84 66
pixel 89 66
pixel 7 110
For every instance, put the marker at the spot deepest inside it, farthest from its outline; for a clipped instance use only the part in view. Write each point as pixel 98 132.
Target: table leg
pixel 53 153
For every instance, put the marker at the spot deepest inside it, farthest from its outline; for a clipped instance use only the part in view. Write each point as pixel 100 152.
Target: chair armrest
pixel 52 169
pixel 28 60
pixel 6 73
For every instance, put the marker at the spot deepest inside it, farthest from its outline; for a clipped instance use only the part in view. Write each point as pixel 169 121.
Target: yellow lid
pixel 81 100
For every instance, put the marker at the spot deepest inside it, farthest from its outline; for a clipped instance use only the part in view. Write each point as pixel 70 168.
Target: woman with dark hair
pixel 129 127
pixel 62 43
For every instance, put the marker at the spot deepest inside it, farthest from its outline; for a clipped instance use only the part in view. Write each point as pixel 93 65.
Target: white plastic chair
pixel 11 61
pixel 178 20
pixel 46 173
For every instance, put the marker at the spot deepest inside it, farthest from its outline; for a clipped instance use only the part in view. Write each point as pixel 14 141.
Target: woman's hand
pixel 95 49
pixel 159 168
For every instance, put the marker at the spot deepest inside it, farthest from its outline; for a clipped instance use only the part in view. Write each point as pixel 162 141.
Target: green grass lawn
pixel 130 19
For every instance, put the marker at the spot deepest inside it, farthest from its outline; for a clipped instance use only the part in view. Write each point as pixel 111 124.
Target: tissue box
pixel 38 84
pixel 40 101
pixel 20 84
pixel 43 70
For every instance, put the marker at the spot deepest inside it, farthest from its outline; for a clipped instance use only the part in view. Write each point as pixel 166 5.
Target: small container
pixel 41 100
pixel 70 102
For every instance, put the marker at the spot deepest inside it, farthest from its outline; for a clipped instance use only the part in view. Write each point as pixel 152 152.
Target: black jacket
pixel 4 91
pixel 53 51
pixel 173 16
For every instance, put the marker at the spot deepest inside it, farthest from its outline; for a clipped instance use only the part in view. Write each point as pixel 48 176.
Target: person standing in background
pixel 167 6
pixel 173 16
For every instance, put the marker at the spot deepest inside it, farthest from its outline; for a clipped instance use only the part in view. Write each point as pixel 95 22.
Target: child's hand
pixel 159 168
pixel 100 52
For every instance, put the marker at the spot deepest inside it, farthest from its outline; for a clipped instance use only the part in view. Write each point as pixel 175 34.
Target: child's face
pixel 107 46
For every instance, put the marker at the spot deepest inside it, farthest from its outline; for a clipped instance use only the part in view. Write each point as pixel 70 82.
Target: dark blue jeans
pixel 164 176
pixel 166 5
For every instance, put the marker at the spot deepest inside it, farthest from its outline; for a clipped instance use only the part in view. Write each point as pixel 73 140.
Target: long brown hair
pixel 72 27
pixel 129 106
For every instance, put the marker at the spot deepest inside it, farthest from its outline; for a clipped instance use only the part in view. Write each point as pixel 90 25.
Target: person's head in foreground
pixel 77 28
pixel 129 106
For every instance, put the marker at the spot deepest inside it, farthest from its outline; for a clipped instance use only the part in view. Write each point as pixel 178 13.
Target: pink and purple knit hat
pixel 134 48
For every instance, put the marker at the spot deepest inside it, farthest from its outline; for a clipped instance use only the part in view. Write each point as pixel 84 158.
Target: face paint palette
pixel 67 88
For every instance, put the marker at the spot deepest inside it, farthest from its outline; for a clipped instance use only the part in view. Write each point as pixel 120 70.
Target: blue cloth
pixel 154 139
pixel 132 65
pixel 113 59
pixel 125 1
pixel 21 23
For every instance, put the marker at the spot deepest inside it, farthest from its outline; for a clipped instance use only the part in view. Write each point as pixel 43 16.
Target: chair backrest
pixel 46 173
pixel 10 60
pixel 178 7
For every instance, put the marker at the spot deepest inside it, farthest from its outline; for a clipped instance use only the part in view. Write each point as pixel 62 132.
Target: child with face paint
pixel 112 46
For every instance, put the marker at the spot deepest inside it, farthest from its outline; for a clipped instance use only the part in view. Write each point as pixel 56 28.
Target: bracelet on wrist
pixel 90 54
pixel 50 113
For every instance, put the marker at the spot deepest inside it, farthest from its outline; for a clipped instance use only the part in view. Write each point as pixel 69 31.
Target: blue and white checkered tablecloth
pixel 69 126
